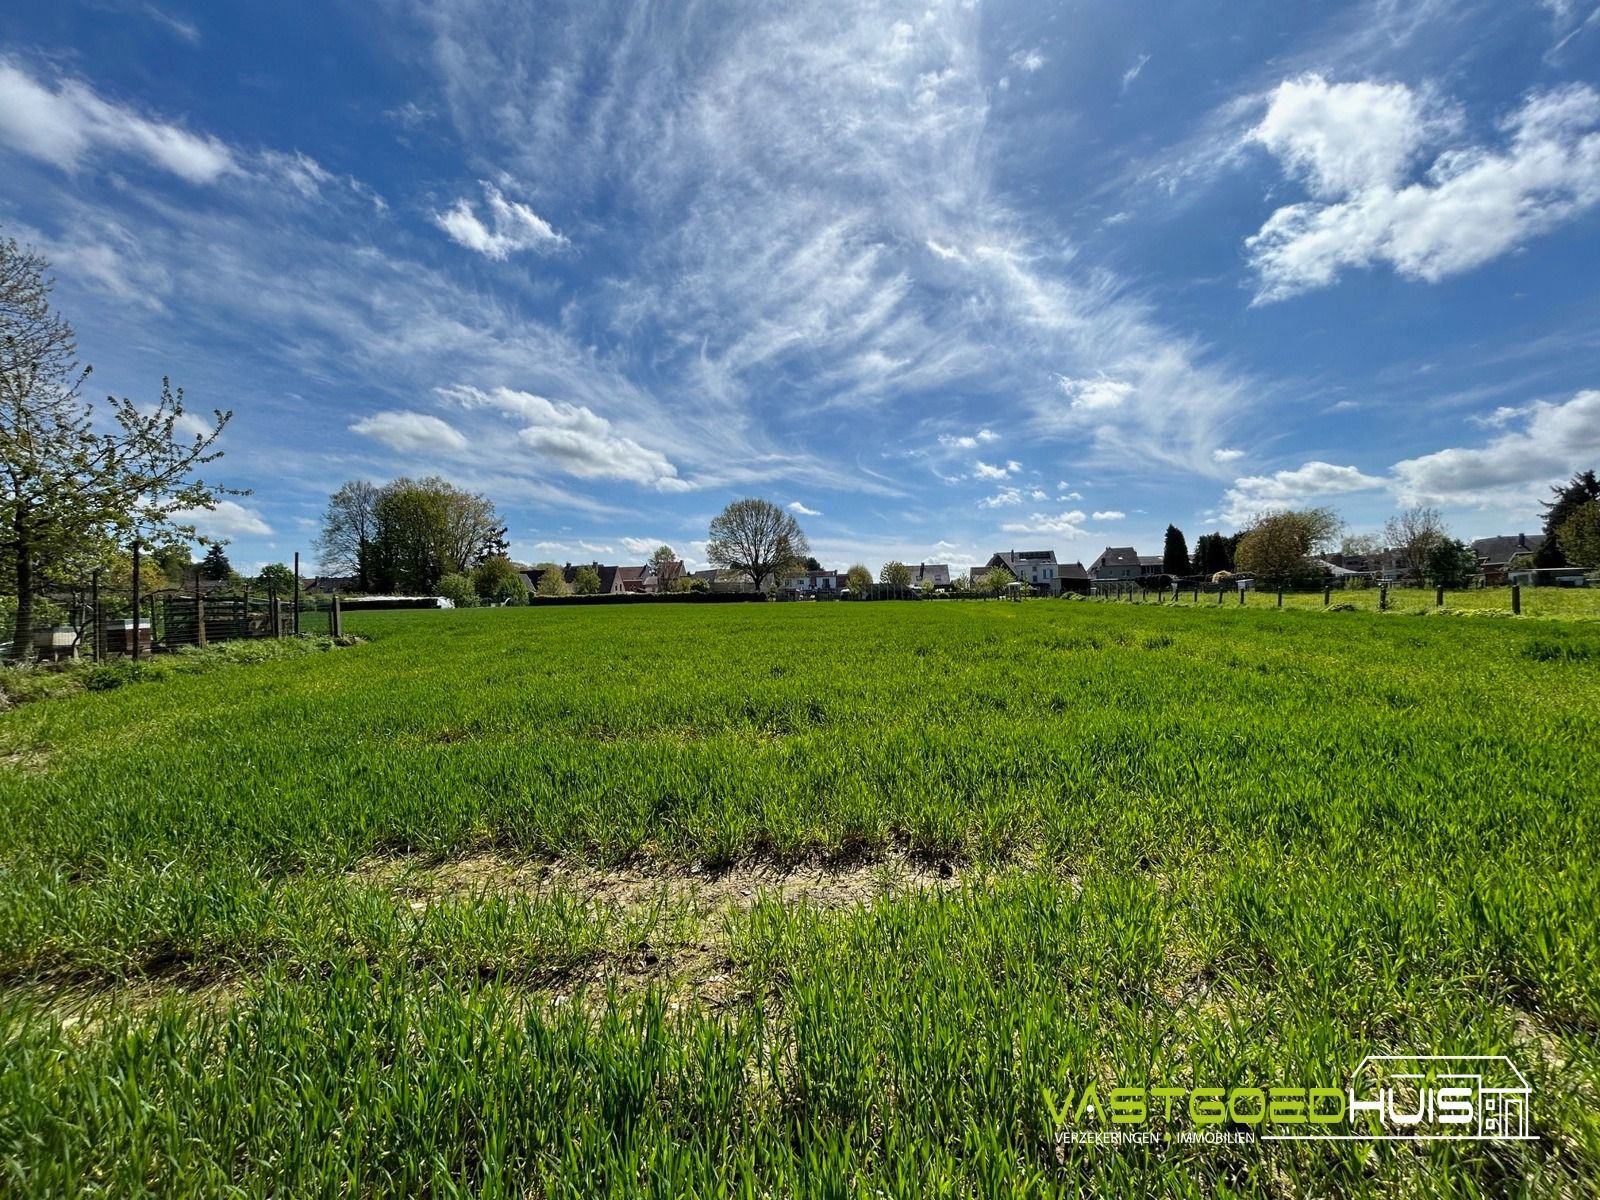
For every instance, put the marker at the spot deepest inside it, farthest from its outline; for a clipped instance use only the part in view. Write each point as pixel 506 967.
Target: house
pixel 609 581
pixel 935 575
pixel 661 579
pixel 1150 564
pixel 323 584
pixel 632 579
pixel 808 582
pixel 1495 553
pixel 1116 564
pixel 1035 568
pixel 1074 578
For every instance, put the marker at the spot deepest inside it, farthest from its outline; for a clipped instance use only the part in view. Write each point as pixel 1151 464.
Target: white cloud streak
pixel 411 433
pixel 510 227
pixel 68 122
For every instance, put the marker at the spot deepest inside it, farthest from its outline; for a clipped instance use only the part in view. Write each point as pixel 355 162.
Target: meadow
pixel 807 899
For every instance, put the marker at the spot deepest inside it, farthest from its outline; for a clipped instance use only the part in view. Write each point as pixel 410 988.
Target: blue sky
pixel 943 278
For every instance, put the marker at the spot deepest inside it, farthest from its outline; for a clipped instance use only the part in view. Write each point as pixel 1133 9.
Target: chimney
pixel 1522 541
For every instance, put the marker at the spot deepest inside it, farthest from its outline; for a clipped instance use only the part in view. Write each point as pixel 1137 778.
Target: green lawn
pixel 501 901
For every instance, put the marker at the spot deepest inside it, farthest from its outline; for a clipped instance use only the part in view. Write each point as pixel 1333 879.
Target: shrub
pixel 458 589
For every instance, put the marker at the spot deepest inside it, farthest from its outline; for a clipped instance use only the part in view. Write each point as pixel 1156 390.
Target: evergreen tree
pixel 1569 498
pixel 215 565
pixel 1175 552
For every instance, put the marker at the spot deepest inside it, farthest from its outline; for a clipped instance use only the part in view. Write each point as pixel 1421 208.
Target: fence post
pixel 241 615
pixel 1438 596
pixel 1242 591
pixel 336 620
pixel 297 593
pixel 1280 597
pixel 199 613
pixel 1219 595
pixel 1516 599
pixel 1327 594
pixel 1383 597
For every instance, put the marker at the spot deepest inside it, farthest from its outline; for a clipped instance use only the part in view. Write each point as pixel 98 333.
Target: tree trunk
pixel 22 637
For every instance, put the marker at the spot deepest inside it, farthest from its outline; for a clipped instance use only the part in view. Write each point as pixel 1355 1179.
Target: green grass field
pixel 797 899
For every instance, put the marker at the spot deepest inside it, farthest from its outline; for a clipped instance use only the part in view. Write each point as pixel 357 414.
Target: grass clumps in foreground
pixel 1199 845
pixel 49 681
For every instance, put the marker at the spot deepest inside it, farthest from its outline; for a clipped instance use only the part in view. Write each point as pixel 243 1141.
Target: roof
pixel 1117 556
pixel 929 571
pixel 1072 570
pixel 1502 549
pixel 1011 558
pixel 1151 560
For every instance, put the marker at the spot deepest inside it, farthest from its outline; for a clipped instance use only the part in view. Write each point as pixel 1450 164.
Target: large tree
pixel 1566 500
pixel 1276 548
pixel 858 579
pixel 1580 535
pixel 895 574
pixel 425 529
pixel 497 581
pixel 74 480
pixel 1212 553
pixel 1175 552
pixel 1414 532
pixel 1451 563
pixel 552 581
pixel 756 539
pixel 276 579
pixel 349 528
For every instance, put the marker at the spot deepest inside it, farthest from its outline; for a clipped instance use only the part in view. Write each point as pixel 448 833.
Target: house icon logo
pixel 1433 1096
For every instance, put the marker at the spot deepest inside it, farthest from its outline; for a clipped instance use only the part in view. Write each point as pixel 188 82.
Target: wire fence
pixel 96 619
pixel 1514 599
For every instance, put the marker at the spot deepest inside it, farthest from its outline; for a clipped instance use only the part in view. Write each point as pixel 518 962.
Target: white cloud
pixel 1353 145
pixel 1554 441
pixel 1109 514
pixel 1028 60
pixel 1004 498
pixel 642 547
pixel 411 432
pixel 796 507
pixel 1499 418
pixel 228 519
pixel 1067 525
pixel 65 124
pixel 1253 494
pixel 983 470
pixel 1343 137
pixel 574 438
pixel 511 227
pixel 1226 455
pixel 1095 394
pixel 1132 72
pixel 968 441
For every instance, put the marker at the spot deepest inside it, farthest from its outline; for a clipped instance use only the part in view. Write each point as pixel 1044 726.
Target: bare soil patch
pixel 709 891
